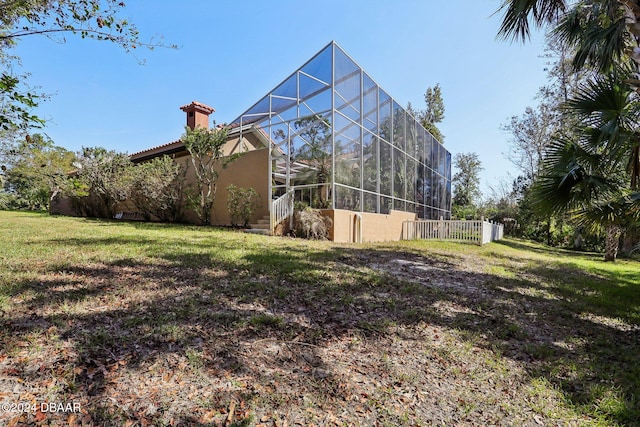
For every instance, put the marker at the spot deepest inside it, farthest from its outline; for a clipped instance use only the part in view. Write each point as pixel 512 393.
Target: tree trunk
pixel 578 240
pixel 629 241
pixel 612 240
pixel 205 209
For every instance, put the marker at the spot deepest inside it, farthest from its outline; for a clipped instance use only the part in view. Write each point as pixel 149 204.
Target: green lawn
pixel 155 324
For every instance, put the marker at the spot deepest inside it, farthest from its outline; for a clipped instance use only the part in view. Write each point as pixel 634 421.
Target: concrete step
pixel 260 226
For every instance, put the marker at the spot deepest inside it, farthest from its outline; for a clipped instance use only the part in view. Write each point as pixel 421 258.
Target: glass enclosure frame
pixel 339 141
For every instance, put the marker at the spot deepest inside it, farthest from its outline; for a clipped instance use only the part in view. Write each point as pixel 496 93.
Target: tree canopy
pixel 466 182
pixel 434 112
pixel 33 171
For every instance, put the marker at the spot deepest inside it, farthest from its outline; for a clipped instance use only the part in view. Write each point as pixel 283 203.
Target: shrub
pixel 310 223
pixel 241 203
pixel 157 189
pixel 102 180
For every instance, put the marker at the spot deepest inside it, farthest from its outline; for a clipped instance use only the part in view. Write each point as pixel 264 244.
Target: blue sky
pixel 232 53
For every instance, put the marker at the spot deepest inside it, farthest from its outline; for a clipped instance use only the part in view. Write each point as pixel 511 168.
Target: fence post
pixel 481 230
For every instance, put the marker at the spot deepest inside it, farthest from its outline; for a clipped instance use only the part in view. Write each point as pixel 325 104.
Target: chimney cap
pixel 198 106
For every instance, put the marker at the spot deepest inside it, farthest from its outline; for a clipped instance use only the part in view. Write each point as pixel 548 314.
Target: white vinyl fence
pixel 479 232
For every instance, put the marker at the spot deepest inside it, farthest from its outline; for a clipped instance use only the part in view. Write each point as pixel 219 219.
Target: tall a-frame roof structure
pixel 339 141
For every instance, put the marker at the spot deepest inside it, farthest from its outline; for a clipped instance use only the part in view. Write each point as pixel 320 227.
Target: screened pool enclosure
pixel 338 141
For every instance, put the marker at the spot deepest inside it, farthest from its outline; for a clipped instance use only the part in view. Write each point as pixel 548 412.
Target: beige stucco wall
pixel 237 145
pixel 250 170
pixel 375 227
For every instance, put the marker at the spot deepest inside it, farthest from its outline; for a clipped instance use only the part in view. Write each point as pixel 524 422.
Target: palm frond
pixel 608 109
pixel 574 176
pixel 517 13
pixel 598 31
pixel 601 99
pixel 620 212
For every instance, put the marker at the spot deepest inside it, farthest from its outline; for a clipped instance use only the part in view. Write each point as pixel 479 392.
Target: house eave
pixel 168 149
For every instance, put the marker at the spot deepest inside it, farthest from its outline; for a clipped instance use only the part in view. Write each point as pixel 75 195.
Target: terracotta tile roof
pixel 199 106
pixel 155 151
pixel 177 146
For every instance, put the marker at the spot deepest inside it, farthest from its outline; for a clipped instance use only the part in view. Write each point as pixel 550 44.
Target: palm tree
pixel 577 180
pixel 605 35
pixel 595 176
pixel 612 217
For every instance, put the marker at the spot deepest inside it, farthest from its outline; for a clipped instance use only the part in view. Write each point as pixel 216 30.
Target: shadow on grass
pixel 545 250
pixel 205 304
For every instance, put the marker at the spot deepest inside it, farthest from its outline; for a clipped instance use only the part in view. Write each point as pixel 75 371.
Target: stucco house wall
pixel 250 170
pixel 373 227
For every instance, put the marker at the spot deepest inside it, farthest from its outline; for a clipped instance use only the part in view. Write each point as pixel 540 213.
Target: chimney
pixel 197 114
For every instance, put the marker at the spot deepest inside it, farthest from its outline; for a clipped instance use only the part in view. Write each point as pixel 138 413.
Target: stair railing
pixel 281 209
